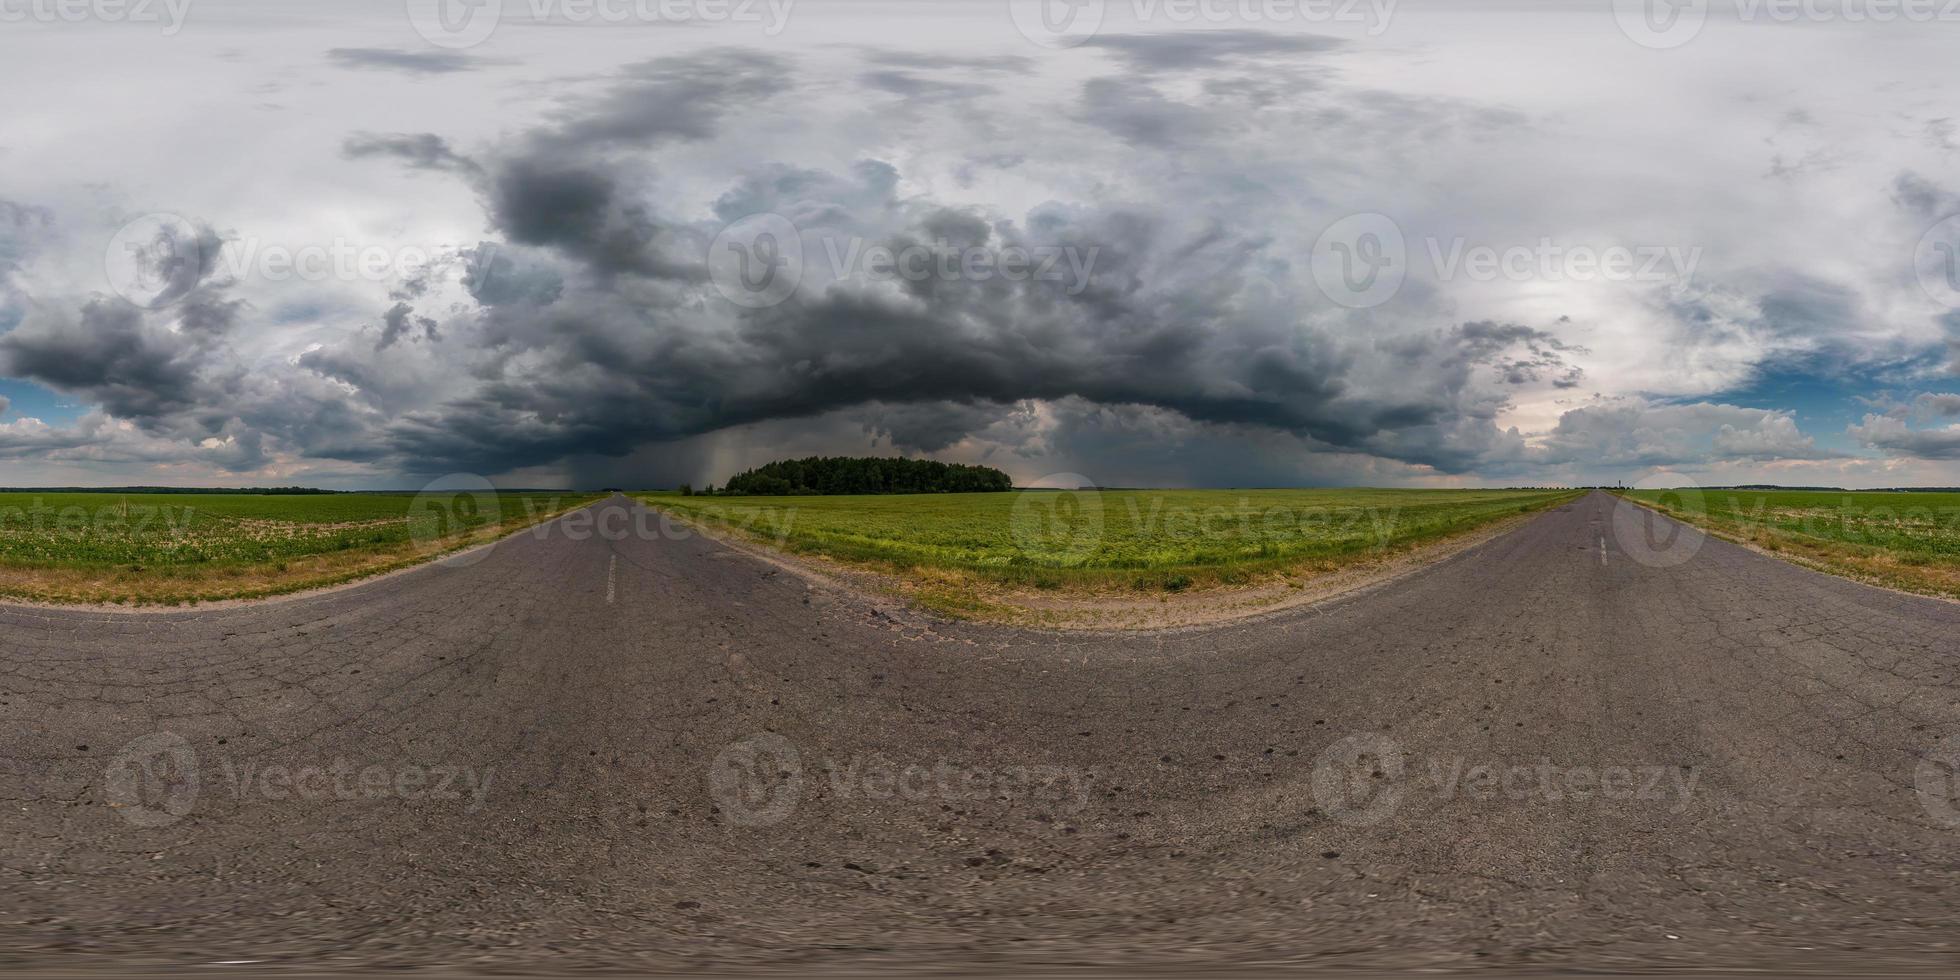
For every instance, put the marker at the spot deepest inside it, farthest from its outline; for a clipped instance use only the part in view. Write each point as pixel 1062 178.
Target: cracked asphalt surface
pixel 650 752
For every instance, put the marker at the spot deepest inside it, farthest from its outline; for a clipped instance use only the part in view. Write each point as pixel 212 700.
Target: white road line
pixel 612 565
pixel 1602 549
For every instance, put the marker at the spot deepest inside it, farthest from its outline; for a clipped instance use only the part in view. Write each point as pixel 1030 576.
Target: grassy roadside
pixel 987 554
pixel 170 549
pixel 1904 541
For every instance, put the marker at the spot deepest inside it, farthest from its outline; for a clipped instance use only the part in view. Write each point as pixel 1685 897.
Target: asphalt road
pixel 636 750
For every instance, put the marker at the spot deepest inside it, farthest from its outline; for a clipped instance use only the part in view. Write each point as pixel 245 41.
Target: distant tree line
pixel 867 474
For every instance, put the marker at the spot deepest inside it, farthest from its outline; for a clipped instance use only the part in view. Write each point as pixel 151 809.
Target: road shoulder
pixel 1113 610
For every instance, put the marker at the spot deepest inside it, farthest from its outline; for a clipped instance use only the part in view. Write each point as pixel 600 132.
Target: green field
pixel 1903 540
pixel 186 547
pixel 1145 539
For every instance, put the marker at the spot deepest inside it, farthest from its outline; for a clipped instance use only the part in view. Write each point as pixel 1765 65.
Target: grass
pixel 179 548
pixel 1090 541
pixel 1908 541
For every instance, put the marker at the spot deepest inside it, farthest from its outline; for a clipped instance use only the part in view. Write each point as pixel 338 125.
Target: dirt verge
pixel 955 595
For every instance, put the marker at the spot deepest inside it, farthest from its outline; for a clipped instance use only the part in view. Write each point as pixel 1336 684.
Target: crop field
pixel 1139 539
pixel 1909 541
pixel 174 548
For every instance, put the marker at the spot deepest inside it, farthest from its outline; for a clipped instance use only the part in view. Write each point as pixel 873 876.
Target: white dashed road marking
pixel 612 565
pixel 1602 549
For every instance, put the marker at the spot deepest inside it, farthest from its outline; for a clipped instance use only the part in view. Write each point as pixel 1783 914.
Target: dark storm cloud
pixel 621 373
pixel 400 321
pixel 1187 51
pixel 928 427
pixel 409 62
pixel 596 329
pixel 110 356
pixel 601 299
pixel 565 186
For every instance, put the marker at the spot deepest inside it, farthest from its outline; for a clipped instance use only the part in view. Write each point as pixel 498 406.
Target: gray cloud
pixel 434 62
pixel 1894 437
pixel 585 332
pixel 919 88
pixel 111 357
pixel 1627 433
pixel 400 321
pixel 1192 50
pixel 939 61
pixel 421 151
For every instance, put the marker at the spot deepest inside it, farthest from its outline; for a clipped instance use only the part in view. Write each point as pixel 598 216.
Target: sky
pixel 372 243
